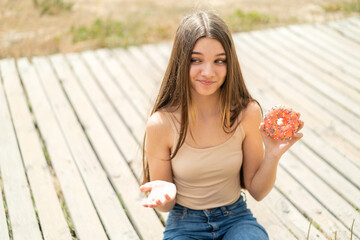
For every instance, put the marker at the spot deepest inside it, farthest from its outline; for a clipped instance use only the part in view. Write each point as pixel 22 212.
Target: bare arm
pixel 162 191
pixel 260 164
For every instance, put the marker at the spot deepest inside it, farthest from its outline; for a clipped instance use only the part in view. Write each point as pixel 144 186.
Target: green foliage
pixel 252 17
pixel 335 233
pixel 108 33
pixel 341 6
pixel 241 21
pixel 52 7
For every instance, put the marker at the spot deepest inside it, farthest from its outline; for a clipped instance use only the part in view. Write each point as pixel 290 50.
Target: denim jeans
pixel 231 222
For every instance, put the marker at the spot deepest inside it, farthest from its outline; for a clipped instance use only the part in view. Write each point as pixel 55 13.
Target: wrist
pixel 272 157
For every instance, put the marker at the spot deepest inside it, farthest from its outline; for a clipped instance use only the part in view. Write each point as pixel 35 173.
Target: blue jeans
pixel 231 222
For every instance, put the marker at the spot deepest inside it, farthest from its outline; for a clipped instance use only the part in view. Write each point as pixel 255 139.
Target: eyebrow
pixel 220 54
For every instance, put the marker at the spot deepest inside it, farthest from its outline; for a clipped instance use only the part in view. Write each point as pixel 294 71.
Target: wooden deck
pixel 71 126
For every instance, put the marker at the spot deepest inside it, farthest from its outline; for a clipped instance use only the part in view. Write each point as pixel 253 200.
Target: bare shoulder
pixel 158 128
pixel 252 111
pixel 252 115
pixel 158 121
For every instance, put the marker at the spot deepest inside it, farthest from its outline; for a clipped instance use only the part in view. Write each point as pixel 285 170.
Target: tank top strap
pixel 171 120
pixel 176 133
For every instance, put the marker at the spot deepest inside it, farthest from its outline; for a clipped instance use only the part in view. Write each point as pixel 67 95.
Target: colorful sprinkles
pixel 281 122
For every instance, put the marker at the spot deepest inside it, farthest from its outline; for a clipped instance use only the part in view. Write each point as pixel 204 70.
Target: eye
pixel 220 61
pixel 195 60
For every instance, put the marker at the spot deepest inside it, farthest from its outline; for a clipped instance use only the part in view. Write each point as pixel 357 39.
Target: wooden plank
pixel 309 159
pixel 118 97
pixel 336 84
pixel 339 208
pixel 52 221
pixel 268 75
pixel 298 143
pixel 311 81
pixel 353 28
pixel 156 57
pixel 122 105
pixel 143 59
pixel 287 213
pixel 347 58
pixel 24 224
pixel 126 83
pixel 319 167
pixel 82 212
pixel 346 24
pixel 355 21
pixel 340 45
pixel 337 37
pixel 335 68
pixel 101 102
pixel 326 44
pixel 269 221
pixel 348 34
pixel 312 65
pixel 289 216
pixel 309 206
pixel 315 142
pixel 144 81
pixel 123 81
pixel 119 172
pixel 4 232
pixel 105 199
pixel 291 80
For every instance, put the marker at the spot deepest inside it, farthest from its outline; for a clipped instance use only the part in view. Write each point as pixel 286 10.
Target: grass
pixel 107 33
pixel 341 6
pixel 113 33
pixel 2 195
pixel 52 7
pixel 335 237
pixel 64 28
pixel 245 21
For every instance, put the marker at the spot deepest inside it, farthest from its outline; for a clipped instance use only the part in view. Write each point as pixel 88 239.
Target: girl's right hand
pixel 161 193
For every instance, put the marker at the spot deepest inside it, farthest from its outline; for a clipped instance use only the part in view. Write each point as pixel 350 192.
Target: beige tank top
pixel 207 178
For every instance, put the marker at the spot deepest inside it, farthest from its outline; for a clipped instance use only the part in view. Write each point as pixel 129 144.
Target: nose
pixel 208 70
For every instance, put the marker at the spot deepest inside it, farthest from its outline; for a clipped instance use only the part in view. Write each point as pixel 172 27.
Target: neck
pixel 206 106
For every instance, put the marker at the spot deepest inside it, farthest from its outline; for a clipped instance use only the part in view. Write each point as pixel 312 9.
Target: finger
pixel 167 197
pixel 262 125
pixel 262 130
pixel 149 203
pixel 298 135
pixel 158 202
pixel 301 125
pixel 146 187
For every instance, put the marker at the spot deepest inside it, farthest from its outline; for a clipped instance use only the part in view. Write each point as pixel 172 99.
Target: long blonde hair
pixel 175 87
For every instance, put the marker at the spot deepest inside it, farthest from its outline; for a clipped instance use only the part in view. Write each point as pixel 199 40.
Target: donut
pixel 281 122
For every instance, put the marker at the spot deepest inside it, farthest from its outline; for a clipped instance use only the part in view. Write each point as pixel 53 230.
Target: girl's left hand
pixel 160 193
pixel 276 148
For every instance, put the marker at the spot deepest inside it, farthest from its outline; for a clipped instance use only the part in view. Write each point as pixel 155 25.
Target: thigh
pixel 246 230
pixel 186 224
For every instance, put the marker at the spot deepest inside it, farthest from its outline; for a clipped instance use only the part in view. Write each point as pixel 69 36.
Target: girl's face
pixel 207 67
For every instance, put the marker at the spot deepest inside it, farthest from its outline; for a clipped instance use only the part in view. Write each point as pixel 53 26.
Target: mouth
pixel 206 83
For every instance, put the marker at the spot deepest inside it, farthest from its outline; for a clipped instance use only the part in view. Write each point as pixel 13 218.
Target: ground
pixel 41 27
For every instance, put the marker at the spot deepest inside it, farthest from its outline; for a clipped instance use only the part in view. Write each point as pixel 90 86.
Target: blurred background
pixel 42 27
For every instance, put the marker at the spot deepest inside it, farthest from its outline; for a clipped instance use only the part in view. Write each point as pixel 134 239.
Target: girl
pixel 204 139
